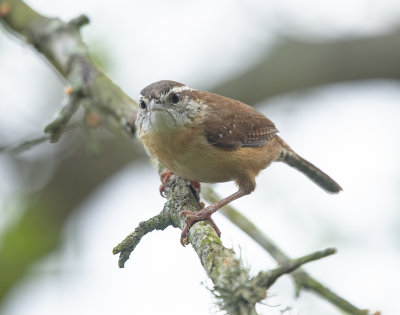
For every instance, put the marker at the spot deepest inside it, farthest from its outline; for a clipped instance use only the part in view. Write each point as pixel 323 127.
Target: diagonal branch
pixel 62 46
pixel 295 65
pixel 237 292
pixel 266 279
pixel 301 278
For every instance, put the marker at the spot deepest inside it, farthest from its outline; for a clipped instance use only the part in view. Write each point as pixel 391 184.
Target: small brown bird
pixel 205 137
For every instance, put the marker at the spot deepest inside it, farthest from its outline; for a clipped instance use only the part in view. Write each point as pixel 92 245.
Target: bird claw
pixel 164 177
pixel 162 191
pixel 193 217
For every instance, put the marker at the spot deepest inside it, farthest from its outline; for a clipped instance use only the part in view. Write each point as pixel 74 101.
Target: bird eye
pixel 175 98
pixel 142 104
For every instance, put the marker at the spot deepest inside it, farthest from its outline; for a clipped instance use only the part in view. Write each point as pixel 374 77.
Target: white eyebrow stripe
pixel 178 89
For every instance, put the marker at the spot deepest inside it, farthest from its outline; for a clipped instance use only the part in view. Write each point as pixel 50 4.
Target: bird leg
pixel 205 214
pixel 196 185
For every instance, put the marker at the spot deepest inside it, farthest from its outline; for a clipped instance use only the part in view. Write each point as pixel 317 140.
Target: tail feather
pixel 312 172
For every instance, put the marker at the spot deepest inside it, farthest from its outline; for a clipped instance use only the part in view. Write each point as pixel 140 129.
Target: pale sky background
pixel 351 131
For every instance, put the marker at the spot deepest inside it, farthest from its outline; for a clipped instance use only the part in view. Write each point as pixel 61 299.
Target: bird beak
pixel 154 105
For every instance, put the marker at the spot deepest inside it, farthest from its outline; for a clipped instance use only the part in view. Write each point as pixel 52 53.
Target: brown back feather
pixel 232 124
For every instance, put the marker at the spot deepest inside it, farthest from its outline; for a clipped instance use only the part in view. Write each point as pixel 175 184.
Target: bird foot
pixel 195 216
pixel 165 177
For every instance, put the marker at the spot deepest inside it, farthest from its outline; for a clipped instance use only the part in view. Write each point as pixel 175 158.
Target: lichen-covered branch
pixel 302 279
pixel 237 293
pixel 127 246
pixel 63 48
pixel 180 196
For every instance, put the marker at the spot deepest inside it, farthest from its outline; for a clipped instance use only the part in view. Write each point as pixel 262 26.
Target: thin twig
pixel 159 222
pixel 266 279
pixel 25 145
pixel 56 128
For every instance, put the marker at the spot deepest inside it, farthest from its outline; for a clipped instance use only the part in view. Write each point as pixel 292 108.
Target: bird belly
pixel 195 164
pixel 192 157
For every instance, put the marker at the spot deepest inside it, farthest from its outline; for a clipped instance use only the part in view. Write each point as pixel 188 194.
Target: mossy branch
pixel 237 292
pixel 127 246
pixel 302 279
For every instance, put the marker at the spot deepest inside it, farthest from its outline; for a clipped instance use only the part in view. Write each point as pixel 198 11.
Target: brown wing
pixel 232 124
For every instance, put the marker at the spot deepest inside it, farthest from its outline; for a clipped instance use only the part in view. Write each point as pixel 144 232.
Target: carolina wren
pixel 201 136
